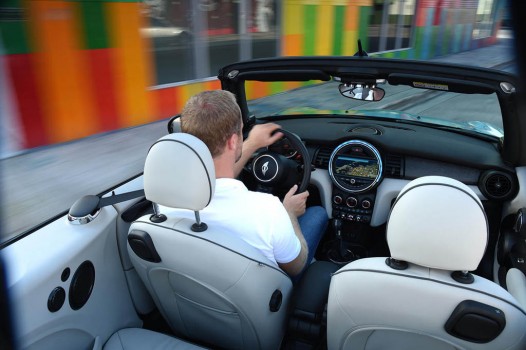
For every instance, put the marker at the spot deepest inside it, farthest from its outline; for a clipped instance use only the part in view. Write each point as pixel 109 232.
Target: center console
pixel 355 169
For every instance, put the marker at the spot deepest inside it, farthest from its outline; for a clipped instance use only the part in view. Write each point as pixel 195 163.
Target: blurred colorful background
pixel 72 69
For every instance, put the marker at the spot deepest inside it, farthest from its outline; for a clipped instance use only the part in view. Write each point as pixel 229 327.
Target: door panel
pixel 36 265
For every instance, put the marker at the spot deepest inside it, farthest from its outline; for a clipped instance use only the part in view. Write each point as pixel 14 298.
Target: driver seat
pixel 423 297
pixel 209 285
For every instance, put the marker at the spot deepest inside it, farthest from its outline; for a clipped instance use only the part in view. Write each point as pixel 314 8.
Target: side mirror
pixel 362 92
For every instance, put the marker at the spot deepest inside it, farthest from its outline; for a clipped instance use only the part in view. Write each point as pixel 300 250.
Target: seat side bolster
pixel 516 285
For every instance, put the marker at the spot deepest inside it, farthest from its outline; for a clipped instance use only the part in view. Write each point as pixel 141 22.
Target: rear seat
pixel 138 339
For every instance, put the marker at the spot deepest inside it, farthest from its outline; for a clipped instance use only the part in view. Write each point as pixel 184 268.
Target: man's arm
pixel 295 204
pixel 260 136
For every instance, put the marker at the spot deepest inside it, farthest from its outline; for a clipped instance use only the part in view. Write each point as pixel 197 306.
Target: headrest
pixel 438 222
pixel 179 172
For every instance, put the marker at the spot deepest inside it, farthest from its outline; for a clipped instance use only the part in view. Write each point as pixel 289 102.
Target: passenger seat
pixel 138 339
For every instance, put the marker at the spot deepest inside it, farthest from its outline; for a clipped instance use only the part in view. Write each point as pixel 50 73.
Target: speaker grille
pixel 81 285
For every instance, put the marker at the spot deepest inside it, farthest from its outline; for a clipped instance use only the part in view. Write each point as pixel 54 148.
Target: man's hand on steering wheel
pixel 262 135
pixel 295 203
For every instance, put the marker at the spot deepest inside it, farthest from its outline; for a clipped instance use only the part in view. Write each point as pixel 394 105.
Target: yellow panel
pixel 324 30
pixel 292 19
pixel 133 64
pixel 350 42
pixel 62 70
pixel 184 92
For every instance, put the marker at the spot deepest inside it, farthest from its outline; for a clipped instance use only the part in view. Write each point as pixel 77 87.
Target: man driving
pixel 286 232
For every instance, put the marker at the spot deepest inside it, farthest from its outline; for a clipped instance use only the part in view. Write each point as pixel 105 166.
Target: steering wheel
pixel 271 169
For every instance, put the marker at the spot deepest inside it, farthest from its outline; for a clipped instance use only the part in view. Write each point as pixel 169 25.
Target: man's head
pixel 213 117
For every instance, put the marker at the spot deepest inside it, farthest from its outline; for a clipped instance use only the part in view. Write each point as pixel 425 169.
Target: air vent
pixel 321 160
pixel 394 166
pixel 497 185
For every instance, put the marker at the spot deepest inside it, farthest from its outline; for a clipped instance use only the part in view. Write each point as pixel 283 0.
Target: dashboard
pixel 359 169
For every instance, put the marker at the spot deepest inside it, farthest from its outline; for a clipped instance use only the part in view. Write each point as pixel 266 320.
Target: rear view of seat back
pixel 423 297
pixel 209 285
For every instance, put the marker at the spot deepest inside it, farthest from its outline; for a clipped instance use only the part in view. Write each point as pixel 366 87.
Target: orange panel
pixel 213 85
pixel 62 70
pixel 133 64
pixel 351 18
pixel 292 45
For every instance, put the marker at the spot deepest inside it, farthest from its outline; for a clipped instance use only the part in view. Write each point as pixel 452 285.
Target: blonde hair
pixel 212 116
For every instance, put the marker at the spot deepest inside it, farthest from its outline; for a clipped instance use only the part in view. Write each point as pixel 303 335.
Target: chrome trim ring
pixel 255 172
pixel 83 219
pixel 362 144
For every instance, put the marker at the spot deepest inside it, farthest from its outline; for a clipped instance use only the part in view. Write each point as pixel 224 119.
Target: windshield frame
pixel 459 78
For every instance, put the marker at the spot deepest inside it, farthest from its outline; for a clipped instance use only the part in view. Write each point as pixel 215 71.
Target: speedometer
pixel 355 166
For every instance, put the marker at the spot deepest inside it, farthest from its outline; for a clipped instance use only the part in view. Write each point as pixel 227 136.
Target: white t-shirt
pixel 259 219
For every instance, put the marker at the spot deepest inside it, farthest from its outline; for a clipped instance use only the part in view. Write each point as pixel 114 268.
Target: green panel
pixel 446 41
pixel 337 44
pixel 14 37
pixel 432 44
pixel 363 25
pixel 310 29
pixel 419 32
pixel 11 4
pixel 106 1
pixel 94 25
pixel 276 87
pixel 13 27
pixel 404 54
pixel 388 55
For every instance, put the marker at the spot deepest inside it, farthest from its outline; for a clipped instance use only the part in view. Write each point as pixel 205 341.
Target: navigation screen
pixel 350 166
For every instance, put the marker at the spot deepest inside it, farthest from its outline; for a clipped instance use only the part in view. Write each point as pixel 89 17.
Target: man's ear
pixel 232 141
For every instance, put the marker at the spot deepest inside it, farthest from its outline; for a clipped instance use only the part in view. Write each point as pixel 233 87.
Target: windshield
pixel 476 112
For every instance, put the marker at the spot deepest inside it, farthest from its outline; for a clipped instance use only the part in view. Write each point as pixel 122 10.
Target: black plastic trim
pixel 142 245
pixel 476 322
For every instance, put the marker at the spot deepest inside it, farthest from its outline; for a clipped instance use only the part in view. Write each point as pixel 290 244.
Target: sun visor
pixel 441 84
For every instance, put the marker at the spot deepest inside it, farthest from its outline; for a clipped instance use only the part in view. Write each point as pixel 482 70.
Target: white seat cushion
pixel 139 339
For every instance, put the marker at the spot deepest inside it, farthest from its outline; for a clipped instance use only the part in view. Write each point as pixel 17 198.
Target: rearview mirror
pixel 362 92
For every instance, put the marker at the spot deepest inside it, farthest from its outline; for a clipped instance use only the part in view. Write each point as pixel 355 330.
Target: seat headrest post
pixel 199 226
pixel 157 217
pixel 464 277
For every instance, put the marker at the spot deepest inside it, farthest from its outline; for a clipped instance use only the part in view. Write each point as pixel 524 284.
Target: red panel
pixel 28 102
pixel 421 14
pixel 166 102
pixel 103 85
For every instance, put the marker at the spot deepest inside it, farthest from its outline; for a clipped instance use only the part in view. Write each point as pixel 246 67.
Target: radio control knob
pixel 366 204
pixel 351 202
pixel 337 200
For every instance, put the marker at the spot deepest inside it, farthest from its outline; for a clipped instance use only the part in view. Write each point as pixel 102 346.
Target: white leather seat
pixel 437 226
pixel 140 339
pixel 516 285
pixel 210 286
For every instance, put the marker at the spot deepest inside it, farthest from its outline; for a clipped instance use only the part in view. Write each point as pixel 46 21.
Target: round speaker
pixel 81 285
pixel 56 299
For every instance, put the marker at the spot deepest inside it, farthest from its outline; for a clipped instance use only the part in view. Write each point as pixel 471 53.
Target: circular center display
pixel 355 166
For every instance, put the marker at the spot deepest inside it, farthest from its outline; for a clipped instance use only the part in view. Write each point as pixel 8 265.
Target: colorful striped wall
pixel 77 68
